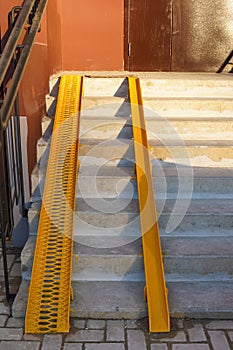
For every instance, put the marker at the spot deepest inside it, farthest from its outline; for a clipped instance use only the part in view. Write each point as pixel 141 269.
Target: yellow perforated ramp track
pixel 48 306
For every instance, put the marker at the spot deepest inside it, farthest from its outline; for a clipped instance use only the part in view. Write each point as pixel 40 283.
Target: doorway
pixel 148 35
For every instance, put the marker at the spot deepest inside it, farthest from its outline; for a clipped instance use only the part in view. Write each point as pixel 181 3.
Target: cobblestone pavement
pixel 109 334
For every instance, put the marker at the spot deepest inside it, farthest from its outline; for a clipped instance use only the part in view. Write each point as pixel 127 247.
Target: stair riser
pixel 124 154
pixel 110 302
pixel 126 187
pixel 192 223
pixel 46 125
pixel 89 187
pixel 161 82
pixel 190 154
pixel 130 268
pixel 218 105
pixel 51 103
pixel 200 265
pixel 158 87
pixel 97 129
pixel 194 155
pixel 120 106
pixel 164 90
pixel 43 150
pixel 157 129
pixel 107 223
pixel 96 268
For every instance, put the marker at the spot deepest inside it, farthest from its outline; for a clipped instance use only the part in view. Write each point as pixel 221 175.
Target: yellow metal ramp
pixel 48 306
pixel 155 290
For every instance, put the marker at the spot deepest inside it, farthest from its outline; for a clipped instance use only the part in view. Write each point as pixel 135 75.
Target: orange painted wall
pixel 92 34
pixel 75 35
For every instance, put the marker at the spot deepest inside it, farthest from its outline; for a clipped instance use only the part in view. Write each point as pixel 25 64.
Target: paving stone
pixel 2 296
pixel 3 319
pixel 218 340
pixel 15 322
pixel 180 324
pixel 10 260
pixel 95 324
pixel 86 336
pixel 115 330
pixel 111 346
pixel 73 346
pixel 33 337
pixel 80 324
pixel 19 345
pixel 191 347
pixel 136 340
pixel 220 324
pixel 16 270
pixel 131 324
pixel 4 309
pixel 52 342
pixel 11 333
pixel 170 337
pixel 197 334
pixel 158 347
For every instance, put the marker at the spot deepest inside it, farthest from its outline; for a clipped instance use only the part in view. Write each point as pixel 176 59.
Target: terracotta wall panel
pixel 92 34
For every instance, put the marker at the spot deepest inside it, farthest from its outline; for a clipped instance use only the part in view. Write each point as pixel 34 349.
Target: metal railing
pixel 24 23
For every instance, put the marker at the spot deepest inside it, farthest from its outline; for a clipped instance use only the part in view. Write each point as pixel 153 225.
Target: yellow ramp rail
pixel 48 308
pixel 155 290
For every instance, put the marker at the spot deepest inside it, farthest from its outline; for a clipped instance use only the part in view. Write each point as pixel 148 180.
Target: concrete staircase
pixel 189 119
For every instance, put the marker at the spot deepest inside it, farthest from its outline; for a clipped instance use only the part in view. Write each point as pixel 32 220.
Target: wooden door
pixel 148 26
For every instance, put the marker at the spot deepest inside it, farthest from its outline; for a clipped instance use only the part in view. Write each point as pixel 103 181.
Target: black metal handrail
pixel 13 61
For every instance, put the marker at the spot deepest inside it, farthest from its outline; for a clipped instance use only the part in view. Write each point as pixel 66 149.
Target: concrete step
pixel 43 149
pixel 193 152
pixel 196 128
pixel 182 256
pixel 47 126
pixel 201 299
pixel 215 153
pixel 125 300
pixel 107 300
pixel 161 86
pixel 124 261
pixel 107 129
pixel 121 216
pixel 107 150
pixel 121 105
pixel 195 88
pixel 51 103
pixel 170 153
pixel 115 83
pixel 164 188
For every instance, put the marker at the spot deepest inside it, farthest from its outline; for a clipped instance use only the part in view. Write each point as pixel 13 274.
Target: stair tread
pixel 201 299
pixel 102 143
pixel 168 169
pixel 186 246
pixel 208 205
pixel 122 299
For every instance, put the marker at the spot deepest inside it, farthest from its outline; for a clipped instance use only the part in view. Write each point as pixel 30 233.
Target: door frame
pixel 126 34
